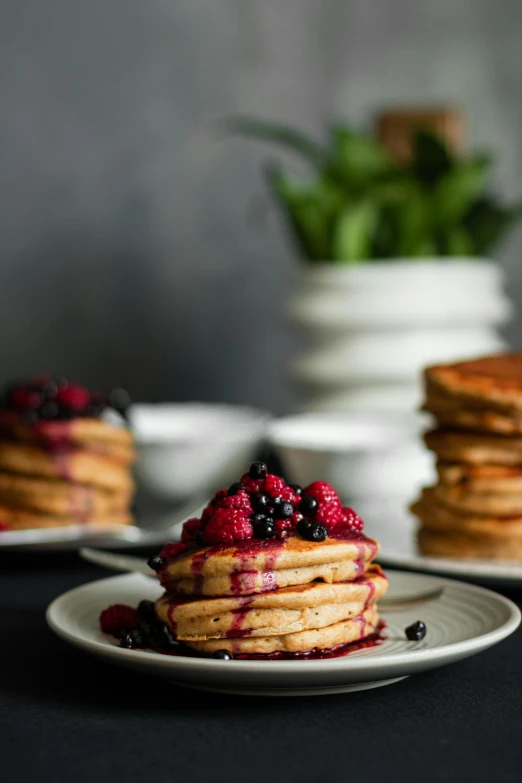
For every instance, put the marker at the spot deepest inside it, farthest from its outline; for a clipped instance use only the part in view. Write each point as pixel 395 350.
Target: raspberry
pixel 273 485
pixel 73 396
pixel 170 551
pixel 227 525
pixel 288 494
pixel 220 494
pixel 283 524
pixel 207 513
pixel 190 528
pixel 118 616
pixel 352 520
pixel 4 526
pixel 240 500
pixel 329 514
pixel 252 485
pixel 26 398
pixel 322 492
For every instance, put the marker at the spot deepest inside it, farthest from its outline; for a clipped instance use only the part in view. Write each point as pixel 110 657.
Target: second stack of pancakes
pixel 72 469
pixel 475 508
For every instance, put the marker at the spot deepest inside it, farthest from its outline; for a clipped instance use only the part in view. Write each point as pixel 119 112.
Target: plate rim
pixel 356 664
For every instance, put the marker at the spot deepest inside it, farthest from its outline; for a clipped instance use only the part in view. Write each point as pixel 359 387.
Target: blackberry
pixel 308 506
pixel 156 562
pixel 257 470
pixel 222 655
pixel 235 488
pixel 416 631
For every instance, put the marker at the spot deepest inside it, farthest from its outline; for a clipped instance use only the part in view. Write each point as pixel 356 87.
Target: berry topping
pixel 156 562
pixel 283 510
pixel 258 470
pixel 352 520
pixel 259 502
pixel 273 485
pixel 322 492
pixel 304 527
pixel 227 525
pixel 296 489
pixel 223 655
pixel 308 505
pixel 131 638
pixel 240 500
pixel 147 611
pixel 190 528
pixel 264 528
pixel 329 514
pixel 72 396
pixel 118 617
pixel 235 488
pixel 416 631
pixel 318 533
pixel 171 551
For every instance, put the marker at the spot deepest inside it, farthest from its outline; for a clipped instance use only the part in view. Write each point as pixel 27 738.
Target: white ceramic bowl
pixel 191 449
pixel 363 456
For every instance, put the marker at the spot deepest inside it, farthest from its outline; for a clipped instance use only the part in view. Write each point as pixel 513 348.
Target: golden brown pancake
pixel 468 547
pixel 20 519
pixel 283 611
pixel 303 641
pixel 455 413
pixel 463 499
pixel 438 516
pixel 481 478
pixel 78 432
pixel 255 565
pixel 475 448
pixel 492 381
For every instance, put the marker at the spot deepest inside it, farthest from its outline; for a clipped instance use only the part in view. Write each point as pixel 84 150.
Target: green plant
pixel 361 205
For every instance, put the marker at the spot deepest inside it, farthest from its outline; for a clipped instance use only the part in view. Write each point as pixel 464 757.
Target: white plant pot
pixel 371 328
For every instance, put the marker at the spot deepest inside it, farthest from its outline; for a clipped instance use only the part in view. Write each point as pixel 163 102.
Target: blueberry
pixel 223 655
pixel 273 502
pixel 234 488
pixel 257 518
pixel 49 410
pixel 145 631
pixel 126 639
pixel 308 506
pixel 283 510
pixel 258 470
pixel 416 631
pixel 156 562
pixel 146 611
pixel 93 410
pixel 30 416
pixel 259 502
pixel 297 489
pixel 265 528
pixel 119 400
pixel 304 527
pixel 318 533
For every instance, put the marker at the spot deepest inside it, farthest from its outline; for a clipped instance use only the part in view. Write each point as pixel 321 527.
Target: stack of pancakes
pixel 475 509
pixel 273 597
pixel 58 473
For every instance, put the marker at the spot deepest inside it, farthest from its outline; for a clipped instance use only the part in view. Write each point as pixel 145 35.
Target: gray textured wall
pixel 127 257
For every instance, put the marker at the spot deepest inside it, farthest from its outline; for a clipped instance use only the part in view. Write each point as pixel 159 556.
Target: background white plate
pixel 464 621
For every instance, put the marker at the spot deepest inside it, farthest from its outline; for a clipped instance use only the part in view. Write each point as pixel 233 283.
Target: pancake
pixel 460 497
pixel 465 547
pixel 303 641
pixel 69 432
pixel 256 565
pixel 283 611
pixel 78 466
pixel 59 497
pixel 439 517
pixel 20 519
pixel 475 448
pixel 455 414
pixel 492 381
pixel 481 478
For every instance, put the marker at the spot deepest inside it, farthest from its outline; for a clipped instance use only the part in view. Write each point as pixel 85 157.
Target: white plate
pixel 464 621
pixel 395 530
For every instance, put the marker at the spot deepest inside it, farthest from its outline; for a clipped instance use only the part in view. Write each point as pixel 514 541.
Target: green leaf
pixel 281 134
pixel 457 190
pixel 356 160
pixel 487 222
pixel 413 220
pixel 353 233
pixel 458 242
pixel 431 158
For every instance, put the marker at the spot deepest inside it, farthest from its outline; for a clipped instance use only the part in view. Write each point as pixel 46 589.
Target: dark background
pixel 127 256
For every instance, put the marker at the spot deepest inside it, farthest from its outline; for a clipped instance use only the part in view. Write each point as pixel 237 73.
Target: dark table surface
pixel 65 716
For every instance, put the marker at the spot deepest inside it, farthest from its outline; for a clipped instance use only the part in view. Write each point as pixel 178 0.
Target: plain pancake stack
pixel 55 473
pixel 273 597
pixel 475 509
